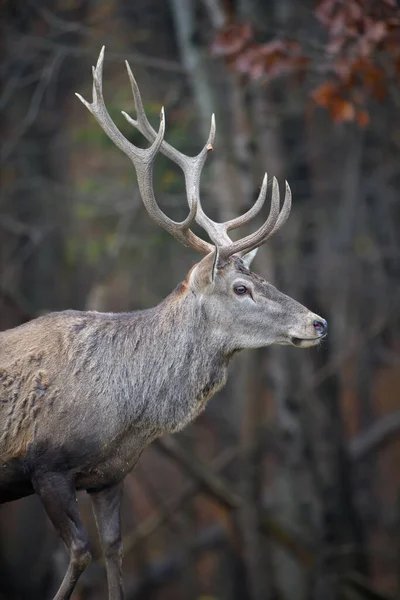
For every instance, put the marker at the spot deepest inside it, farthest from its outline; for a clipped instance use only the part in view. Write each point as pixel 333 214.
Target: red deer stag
pixel 83 393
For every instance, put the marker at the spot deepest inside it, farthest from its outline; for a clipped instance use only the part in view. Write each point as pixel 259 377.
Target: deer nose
pixel 320 326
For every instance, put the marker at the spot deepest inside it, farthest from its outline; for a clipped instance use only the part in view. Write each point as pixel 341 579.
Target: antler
pixel 218 232
pixel 143 161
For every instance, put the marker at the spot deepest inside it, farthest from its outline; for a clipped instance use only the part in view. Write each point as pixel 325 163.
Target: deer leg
pixel 106 507
pixel 57 494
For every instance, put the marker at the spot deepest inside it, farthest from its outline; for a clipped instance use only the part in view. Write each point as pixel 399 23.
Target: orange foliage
pixel 268 60
pixel 359 34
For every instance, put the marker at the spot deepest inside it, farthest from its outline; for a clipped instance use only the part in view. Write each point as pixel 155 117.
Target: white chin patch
pixel 305 343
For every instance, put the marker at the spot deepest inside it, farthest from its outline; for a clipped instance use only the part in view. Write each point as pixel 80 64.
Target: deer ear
pixel 248 258
pixel 205 272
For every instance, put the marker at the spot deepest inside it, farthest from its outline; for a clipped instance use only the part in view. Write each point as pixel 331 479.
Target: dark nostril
pixel 320 326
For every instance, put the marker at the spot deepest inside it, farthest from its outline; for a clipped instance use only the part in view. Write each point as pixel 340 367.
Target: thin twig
pixel 379 433
pixel 148 527
pixel 219 489
pixel 36 100
pixel 133 57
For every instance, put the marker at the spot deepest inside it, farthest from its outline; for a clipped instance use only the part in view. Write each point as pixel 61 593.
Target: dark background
pixel 288 486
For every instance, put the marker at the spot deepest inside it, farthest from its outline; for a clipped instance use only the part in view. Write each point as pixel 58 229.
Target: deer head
pixel 244 309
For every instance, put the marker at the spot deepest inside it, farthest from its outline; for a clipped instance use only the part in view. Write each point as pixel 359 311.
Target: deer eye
pixel 240 289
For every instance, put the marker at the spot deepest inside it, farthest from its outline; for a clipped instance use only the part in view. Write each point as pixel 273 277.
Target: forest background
pixel 288 486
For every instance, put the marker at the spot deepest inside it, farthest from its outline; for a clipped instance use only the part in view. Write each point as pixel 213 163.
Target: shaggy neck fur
pixel 165 373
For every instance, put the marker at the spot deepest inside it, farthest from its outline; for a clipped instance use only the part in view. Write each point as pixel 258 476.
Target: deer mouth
pixel 306 342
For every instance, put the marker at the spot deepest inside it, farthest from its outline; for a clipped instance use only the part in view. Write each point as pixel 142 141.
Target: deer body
pixel 83 393
pixel 116 381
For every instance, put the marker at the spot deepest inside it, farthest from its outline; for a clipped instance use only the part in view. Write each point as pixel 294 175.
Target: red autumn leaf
pixel 393 22
pixel 287 66
pixel 342 67
pixel 231 39
pixel 336 45
pixel 273 47
pixel 364 46
pixel 391 44
pixel 363 118
pixel 379 92
pixel 376 31
pixel 352 32
pixel 243 60
pixel 341 110
pixel 337 24
pixel 324 11
pixel 257 70
pixel 302 62
pixel 324 93
pixel 358 33
pixel 272 59
pixel 372 74
pixel 354 10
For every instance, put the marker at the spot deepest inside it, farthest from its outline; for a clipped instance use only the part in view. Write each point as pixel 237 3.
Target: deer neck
pixel 183 358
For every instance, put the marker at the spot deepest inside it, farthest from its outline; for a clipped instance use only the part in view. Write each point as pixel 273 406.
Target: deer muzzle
pixel 315 331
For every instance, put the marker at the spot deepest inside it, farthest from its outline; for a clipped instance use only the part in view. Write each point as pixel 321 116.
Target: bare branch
pixel 379 434
pixel 34 107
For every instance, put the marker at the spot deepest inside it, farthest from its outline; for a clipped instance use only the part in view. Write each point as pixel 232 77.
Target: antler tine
pixel 282 218
pixel 99 111
pixel 253 211
pixel 190 165
pixel 143 125
pixel 144 172
pixel 143 160
pixel 257 238
pixel 285 211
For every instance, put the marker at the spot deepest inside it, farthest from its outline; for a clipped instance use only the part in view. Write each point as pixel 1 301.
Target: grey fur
pixel 98 387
